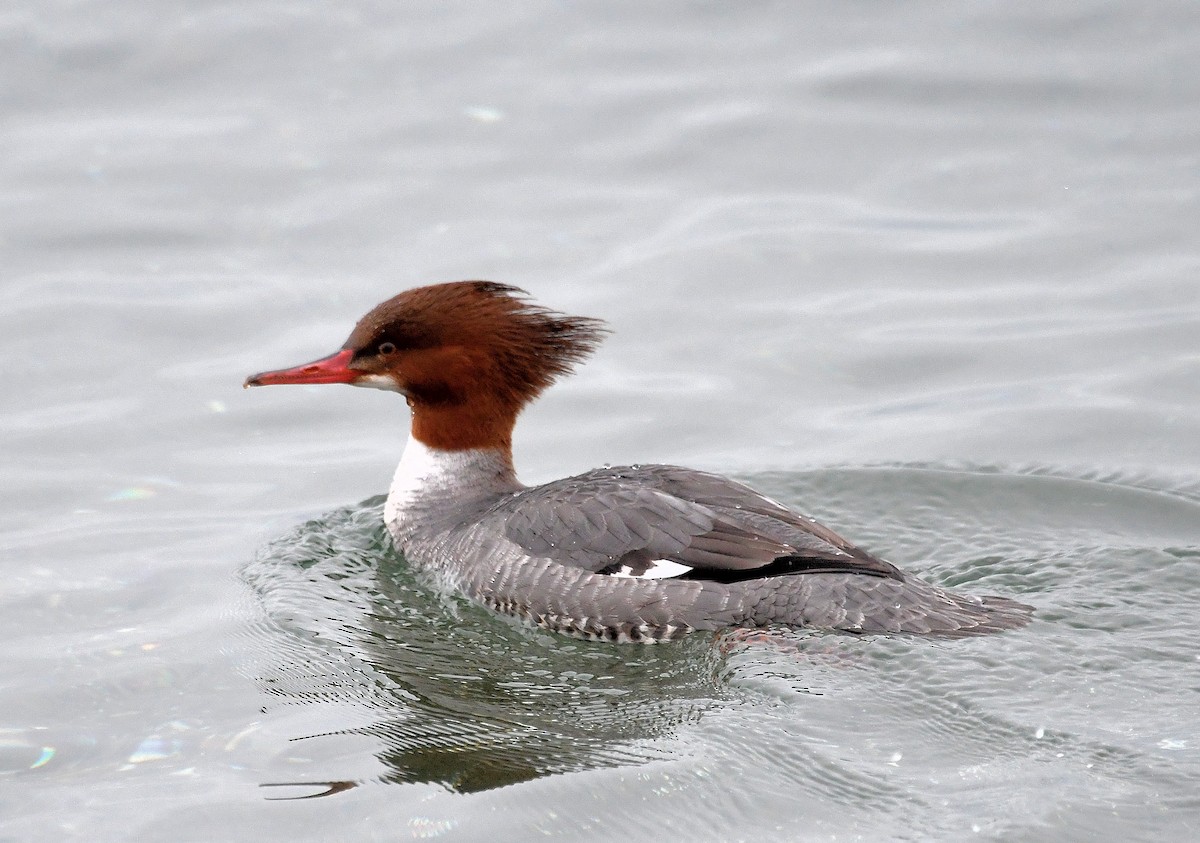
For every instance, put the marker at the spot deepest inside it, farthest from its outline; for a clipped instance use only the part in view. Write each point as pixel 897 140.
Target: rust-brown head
pixel 467 355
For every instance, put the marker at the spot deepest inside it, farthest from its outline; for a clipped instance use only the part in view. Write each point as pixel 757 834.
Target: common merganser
pixel 635 553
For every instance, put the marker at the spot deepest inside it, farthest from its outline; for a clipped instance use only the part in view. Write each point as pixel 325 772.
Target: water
pixel 927 272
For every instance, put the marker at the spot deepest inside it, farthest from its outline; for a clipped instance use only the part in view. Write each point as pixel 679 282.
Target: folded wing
pixel 665 521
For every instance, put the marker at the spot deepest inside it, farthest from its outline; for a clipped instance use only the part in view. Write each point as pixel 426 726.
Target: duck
pixel 625 554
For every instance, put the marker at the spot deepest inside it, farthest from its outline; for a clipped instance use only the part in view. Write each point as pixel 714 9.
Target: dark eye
pixel 387 347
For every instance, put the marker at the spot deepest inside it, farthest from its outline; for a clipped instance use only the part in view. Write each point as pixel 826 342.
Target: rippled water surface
pixel 928 272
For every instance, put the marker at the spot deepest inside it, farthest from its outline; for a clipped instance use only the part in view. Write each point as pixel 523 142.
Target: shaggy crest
pixel 525 346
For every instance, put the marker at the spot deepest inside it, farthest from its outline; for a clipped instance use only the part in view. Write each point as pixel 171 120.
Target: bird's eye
pixel 387 347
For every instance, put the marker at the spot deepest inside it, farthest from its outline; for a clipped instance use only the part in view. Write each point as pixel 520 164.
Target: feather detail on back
pixel 625 521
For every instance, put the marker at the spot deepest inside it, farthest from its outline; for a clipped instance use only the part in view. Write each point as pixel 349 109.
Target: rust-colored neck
pixel 482 422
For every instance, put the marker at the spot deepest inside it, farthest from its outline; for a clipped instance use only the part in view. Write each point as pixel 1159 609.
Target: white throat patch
pixel 423 469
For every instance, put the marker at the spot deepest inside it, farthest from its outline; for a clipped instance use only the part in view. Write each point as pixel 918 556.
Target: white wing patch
pixel 657 569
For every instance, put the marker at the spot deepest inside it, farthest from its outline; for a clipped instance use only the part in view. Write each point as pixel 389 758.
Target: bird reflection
pixel 456 695
pixel 325 789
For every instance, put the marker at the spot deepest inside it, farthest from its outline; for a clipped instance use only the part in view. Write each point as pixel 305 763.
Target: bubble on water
pixel 424 828
pixel 483 114
pixel 19 753
pixel 132 493
pixel 160 745
pixel 155 748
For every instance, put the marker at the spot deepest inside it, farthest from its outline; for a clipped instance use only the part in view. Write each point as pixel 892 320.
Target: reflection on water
pixel 375 677
pixel 452 694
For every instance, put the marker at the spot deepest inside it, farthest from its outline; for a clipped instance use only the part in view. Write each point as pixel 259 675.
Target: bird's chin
pixel 385 382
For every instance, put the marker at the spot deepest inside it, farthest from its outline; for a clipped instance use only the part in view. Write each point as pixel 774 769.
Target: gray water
pixel 926 271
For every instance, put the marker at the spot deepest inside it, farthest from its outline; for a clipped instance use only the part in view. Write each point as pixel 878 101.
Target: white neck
pixel 424 471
